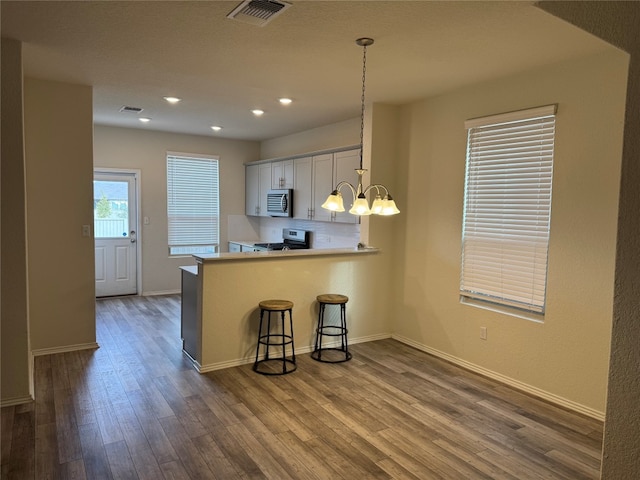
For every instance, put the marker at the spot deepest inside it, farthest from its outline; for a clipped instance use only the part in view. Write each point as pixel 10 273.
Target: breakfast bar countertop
pixel 216 257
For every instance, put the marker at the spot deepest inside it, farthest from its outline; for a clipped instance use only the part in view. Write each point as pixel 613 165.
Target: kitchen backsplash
pixel 268 229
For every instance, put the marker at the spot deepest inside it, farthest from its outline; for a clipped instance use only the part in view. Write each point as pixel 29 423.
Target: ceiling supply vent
pixel 127 109
pixel 258 12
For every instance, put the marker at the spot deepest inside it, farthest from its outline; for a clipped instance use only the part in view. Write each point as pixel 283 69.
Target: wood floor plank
pixel 74 470
pixel 188 454
pixel 158 440
pixel 146 464
pixel 93 453
pixel 180 408
pixel 120 462
pixel 21 461
pixel 174 471
pixel 7 417
pixel 45 410
pixel 215 458
pixel 46 452
pixel 135 408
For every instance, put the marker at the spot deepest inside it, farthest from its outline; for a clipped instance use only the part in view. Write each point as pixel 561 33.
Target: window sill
pixel 504 309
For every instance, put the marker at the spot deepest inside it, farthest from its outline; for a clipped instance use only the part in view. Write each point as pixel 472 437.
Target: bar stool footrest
pixel 317 355
pixel 281 366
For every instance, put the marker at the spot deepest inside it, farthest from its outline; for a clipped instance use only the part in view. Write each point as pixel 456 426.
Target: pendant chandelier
pixel 381 205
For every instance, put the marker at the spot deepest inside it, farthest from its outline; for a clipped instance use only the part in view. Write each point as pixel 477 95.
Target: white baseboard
pixel 531 390
pixel 66 348
pixel 160 292
pixel 10 402
pixel 299 351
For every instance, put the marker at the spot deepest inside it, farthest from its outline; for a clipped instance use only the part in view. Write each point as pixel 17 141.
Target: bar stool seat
pixel 275 336
pixel 332 331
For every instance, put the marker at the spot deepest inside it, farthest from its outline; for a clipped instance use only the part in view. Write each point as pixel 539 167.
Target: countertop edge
pixel 217 257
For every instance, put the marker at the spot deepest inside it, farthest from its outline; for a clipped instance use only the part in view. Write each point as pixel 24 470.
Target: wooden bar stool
pixel 279 339
pixel 332 331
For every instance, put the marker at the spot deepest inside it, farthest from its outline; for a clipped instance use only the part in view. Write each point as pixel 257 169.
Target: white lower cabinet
pixel 235 247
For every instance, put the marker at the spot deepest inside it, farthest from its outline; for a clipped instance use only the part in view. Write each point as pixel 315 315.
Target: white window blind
pixel 192 204
pixel 507 208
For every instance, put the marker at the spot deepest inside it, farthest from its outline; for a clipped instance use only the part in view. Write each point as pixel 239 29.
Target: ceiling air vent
pixel 258 12
pixel 127 109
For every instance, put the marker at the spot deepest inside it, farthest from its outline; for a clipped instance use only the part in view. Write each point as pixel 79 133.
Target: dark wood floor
pixel 135 408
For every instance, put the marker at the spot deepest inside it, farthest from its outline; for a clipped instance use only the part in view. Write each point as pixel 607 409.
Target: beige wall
pixel 59 148
pixel 146 151
pixel 14 316
pixel 617 23
pixel 566 356
pixel 336 135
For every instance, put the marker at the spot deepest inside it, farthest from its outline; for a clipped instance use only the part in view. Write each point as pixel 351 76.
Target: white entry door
pixel 115 233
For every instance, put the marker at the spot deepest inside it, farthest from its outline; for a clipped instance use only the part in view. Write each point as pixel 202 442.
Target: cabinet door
pixel 322 185
pixel 282 174
pixel 302 188
pixel 264 187
pixel 345 165
pixel 251 189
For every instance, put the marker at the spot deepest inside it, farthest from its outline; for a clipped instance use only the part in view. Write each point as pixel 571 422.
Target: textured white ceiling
pixel 135 52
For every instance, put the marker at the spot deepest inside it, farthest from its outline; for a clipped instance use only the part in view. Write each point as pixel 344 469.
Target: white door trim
pixel 137 176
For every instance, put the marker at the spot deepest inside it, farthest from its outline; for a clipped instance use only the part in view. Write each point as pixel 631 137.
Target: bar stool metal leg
pixel 278 339
pixel 331 331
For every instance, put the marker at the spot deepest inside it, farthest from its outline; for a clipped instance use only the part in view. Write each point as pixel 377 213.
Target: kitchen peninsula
pixel 227 287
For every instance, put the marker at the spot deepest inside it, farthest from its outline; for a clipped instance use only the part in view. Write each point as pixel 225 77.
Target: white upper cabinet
pixel 257 185
pixel 322 185
pixel 344 169
pixel 251 189
pixel 302 188
pixel 282 174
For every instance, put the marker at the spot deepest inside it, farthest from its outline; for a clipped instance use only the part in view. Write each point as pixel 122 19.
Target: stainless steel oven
pixel 280 203
pixel 292 239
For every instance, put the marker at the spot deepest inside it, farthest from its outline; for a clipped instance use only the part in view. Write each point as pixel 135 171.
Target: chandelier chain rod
pixel 364 76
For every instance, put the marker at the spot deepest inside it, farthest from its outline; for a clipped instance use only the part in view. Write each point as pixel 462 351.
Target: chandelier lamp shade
pixel 383 203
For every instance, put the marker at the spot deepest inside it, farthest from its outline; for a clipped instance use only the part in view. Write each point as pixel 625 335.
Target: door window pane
pixel 111 209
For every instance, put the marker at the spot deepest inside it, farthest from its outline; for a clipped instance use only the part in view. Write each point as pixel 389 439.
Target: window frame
pixel 507 211
pixel 184 183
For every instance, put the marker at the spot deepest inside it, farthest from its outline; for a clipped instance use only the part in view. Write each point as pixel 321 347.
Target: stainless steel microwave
pixel 280 203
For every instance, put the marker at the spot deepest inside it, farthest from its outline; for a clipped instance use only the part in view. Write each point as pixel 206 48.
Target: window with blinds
pixel 192 204
pixel 507 208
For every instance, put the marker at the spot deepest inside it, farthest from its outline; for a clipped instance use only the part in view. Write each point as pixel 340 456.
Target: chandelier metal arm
pixel 377 186
pixel 345 184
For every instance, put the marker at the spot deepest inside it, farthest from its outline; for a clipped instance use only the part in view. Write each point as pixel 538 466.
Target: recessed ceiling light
pixel 285 101
pixel 216 128
pixel 257 112
pixel 172 99
pixel 144 119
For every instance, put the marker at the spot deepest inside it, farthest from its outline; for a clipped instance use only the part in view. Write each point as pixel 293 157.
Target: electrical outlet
pixel 483 333
pixel 146 220
pixel 86 230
